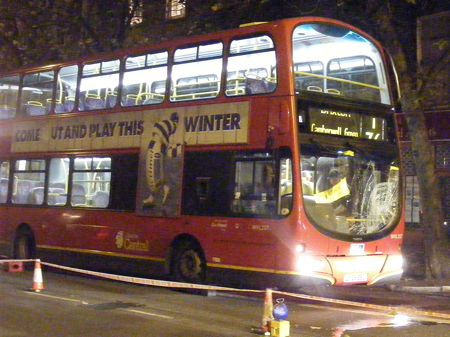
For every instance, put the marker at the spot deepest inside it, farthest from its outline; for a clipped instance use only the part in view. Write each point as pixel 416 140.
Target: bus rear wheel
pixel 188 263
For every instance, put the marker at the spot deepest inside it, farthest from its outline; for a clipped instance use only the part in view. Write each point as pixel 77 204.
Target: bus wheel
pixel 24 245
pixel 188 264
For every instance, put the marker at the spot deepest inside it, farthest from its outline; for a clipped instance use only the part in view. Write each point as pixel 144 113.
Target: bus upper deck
pixel 325 58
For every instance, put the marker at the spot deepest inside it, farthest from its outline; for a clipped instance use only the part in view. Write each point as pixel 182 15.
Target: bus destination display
pixel 347 124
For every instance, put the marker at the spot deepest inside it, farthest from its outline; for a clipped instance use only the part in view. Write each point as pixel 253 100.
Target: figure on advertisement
pixel 160 149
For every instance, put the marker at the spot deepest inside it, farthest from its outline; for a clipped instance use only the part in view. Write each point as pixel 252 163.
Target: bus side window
pixel 4 181
pixel 66 87
pixel 251 66
pixel 196 72
pixel 29 180
pixel 255 187
pixel 286 192
pixel 98 87
pixel 37 93
pixel 91 182
pixel 58 181
pixel 144 79
pixel 9 90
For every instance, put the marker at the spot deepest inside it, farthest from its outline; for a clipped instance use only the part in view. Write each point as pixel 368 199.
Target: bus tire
pixel 24 244
pixel 188 263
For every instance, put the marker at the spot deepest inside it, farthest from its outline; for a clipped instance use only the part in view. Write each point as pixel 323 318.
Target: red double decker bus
pixel 266 152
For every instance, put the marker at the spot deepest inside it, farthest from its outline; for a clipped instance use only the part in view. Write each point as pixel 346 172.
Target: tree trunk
pixel 435 242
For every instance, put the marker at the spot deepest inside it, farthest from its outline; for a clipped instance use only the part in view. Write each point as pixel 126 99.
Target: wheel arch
pixel 24 230
pixel 176 242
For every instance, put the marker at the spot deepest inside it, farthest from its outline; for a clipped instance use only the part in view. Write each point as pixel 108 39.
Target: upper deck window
pixel 144 79
pixel 98 87
pixel 338 61
pixel 66 87
pixel 9 90
pixel 37 93
pixel 251 66
pixel 196 72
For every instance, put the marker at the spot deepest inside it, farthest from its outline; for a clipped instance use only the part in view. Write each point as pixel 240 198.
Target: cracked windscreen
pixel 347 192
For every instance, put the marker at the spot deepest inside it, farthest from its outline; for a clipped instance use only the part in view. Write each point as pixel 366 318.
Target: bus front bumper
pixel 347 270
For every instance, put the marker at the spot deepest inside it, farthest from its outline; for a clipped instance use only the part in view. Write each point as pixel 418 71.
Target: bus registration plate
pixel 355 277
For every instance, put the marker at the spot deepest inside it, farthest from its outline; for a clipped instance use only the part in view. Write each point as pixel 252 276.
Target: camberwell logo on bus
pixel 129 241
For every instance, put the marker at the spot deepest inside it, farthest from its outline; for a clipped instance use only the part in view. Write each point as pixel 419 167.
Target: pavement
pixel 422 286
pixel 423 295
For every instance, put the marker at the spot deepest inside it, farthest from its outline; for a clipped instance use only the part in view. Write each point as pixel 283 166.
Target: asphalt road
pixel 73 305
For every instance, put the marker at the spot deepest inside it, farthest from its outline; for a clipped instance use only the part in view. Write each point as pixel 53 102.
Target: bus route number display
pixel 347 124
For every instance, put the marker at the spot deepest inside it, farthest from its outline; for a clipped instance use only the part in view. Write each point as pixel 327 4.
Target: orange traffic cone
pixel 38 282
pixel 268 311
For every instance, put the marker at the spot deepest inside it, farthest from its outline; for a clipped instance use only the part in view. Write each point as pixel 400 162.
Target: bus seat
pixel 7 112
pixel 150 98
pixel 3 190
pixel 58 185
pixel 313 88
pixel 34 108
pixel 100 199
pixel 78 196
pixel 22 191
pixel 333 91
pixel 59 108
pixel 255 86
pixel 129 99
pixel 111 99
pixel 271 86
pixel 159 87
pixel 93 102
pixel 69 104
pixel 235 86
pixel 36 196
pixel 56 196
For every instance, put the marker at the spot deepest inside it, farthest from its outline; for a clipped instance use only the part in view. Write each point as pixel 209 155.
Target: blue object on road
pixel 280 310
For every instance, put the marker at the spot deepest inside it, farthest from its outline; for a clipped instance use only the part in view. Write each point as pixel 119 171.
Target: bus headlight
pixel 311 264
pixel 300 248
pixel 393 263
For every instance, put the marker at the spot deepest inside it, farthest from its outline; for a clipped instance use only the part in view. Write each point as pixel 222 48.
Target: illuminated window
pixel 251 66
pixel 9 89
pixel 4 181
pixel 196 73
pixel 136 11
pixel 37 93
pixel 144 79
pixel 175 9
pixel 28 183
pixel 91 182
pixel 98 87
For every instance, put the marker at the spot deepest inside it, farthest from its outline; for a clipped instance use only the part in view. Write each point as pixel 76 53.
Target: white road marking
pixel 149 314
pixel 86 303
pixel 58 297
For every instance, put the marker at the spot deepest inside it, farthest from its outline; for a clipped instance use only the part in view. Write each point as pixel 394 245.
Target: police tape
pixel 148 282
pixel 389 309
pixel 17 261
pixel 182 285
